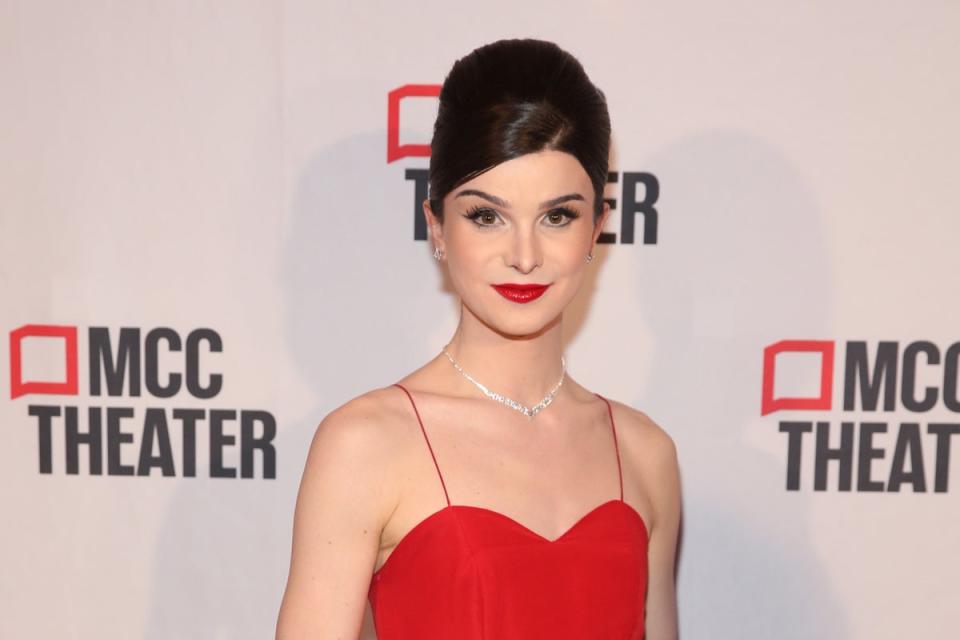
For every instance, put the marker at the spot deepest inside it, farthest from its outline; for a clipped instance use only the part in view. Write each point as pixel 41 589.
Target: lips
pixel 521 293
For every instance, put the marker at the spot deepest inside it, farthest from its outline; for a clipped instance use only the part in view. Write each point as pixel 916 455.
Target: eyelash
pixel 474 213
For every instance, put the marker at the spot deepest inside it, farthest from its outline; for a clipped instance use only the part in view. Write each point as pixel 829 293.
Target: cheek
pixel 573 275
pixel 468 265
pixel 466 257
pixel 570 259
pixel 571 266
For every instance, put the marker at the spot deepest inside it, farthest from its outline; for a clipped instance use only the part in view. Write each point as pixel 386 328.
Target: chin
pixel 519 324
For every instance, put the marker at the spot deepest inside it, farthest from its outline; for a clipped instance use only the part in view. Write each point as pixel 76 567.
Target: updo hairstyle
pixel 510 98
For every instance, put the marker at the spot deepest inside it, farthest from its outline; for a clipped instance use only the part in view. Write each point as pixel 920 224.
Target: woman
pixel 488 494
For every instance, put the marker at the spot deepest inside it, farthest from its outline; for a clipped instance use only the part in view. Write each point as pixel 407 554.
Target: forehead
pixel 531 178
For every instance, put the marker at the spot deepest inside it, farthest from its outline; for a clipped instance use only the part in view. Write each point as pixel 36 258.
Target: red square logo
pixel 823 401
pixel 19 386
pixel 395 150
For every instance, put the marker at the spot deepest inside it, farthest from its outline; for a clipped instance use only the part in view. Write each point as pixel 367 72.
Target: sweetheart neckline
pixel 539 538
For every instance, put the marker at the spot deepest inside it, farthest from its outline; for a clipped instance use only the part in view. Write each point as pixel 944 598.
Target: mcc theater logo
pixel 126 364
pixel 875 383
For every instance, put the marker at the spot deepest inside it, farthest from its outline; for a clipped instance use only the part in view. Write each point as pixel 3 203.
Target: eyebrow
pixel 503 203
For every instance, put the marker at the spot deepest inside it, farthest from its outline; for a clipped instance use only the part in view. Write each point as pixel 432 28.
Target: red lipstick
pixel 520 292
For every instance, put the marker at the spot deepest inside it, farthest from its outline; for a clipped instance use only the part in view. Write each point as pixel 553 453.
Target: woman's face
pixel 526 221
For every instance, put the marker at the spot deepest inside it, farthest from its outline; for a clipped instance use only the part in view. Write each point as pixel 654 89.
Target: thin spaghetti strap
pixel 616 448
pixel 442 483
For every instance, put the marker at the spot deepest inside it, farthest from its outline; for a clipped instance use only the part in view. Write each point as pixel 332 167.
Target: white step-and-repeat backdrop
pixel 208 240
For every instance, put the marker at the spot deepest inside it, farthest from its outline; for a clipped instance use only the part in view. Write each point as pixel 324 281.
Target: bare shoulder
pixel 650 466
pixel 643 436
pixel 361 440
pixel 346 495
pixel 365 421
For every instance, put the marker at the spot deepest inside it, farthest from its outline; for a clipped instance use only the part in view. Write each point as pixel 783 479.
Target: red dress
pixel 470 573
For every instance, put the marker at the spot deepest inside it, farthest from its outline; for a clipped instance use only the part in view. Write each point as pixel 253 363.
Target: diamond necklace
pixel 513 404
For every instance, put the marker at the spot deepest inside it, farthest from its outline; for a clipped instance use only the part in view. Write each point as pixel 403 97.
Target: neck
pixel 524 368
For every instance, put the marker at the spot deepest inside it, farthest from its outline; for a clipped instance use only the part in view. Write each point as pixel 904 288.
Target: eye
pixel 486 217
pixel 561 217
pixel 481 216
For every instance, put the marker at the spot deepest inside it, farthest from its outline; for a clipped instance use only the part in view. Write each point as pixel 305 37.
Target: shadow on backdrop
pixel 224 550
pixel 742 263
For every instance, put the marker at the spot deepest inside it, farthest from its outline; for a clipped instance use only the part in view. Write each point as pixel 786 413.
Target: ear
pixel 598 226
pixel 433 225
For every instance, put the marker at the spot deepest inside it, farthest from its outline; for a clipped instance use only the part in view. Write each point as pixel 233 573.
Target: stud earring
pixel 437 253
pixel 589 256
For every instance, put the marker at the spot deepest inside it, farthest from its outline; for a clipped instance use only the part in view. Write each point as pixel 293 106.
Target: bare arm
pixel 661 607
pixel 343 502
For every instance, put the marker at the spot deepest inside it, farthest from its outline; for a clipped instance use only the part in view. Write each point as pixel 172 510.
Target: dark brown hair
pixel 510 98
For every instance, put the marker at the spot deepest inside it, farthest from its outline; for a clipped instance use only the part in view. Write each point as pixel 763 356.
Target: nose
pixel 524 253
